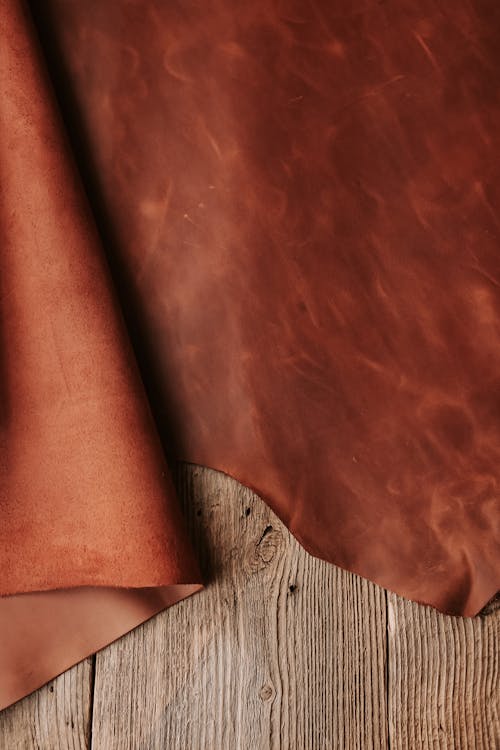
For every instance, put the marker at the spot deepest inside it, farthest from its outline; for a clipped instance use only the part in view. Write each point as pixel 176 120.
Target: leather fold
pixel 86 497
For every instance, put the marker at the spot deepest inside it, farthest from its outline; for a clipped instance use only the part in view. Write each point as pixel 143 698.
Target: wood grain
pixel 280 651
pixel 443 678
pixel 55 717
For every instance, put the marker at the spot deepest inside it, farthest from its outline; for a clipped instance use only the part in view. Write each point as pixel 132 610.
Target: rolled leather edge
pixel 45 633
pixel 92 541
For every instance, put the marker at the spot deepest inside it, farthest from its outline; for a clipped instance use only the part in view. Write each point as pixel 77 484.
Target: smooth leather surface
pixel 45 633
pixel 304 199
pixel 302 204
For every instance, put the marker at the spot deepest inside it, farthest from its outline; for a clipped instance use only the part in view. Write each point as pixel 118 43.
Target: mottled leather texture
pixel 299 203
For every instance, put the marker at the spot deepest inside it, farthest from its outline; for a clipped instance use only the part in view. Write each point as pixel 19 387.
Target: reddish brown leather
pixel 45 633
pixel 304 197
pixel 85 494
pixel 303 203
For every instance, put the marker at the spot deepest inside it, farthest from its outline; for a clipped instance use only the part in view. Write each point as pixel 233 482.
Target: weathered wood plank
pixel 443 679
pixel 280 651
pixel 56 717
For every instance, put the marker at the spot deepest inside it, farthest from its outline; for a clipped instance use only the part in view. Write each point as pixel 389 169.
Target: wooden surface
pixel 280 651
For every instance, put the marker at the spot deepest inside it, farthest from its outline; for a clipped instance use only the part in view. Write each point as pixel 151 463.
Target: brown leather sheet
pixel 86 499
pixel 299 203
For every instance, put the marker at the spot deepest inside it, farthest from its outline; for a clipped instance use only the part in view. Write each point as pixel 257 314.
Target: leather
pixel 86 499
pixel 45 633
pixel 299 204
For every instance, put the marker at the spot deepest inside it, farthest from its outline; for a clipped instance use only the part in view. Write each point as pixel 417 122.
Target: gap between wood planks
pixel 281 651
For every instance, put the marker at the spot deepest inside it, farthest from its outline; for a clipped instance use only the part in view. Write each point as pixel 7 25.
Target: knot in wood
pixel 261 554
pixel 266 693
